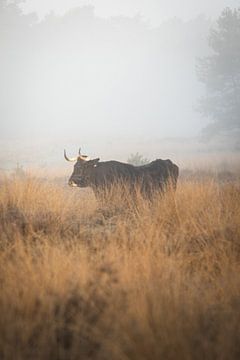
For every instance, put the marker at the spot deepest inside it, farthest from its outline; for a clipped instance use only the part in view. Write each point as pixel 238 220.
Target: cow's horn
pixel 69 159
pixel 84 157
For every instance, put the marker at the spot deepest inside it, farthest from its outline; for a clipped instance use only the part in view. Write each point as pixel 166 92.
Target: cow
pixel 101 175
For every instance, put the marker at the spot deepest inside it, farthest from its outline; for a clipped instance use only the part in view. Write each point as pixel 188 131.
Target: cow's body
pixel 154 176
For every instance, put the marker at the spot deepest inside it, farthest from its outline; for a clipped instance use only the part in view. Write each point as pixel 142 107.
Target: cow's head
pixel 83 170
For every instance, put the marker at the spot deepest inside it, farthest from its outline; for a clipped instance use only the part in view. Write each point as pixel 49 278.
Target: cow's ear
pixel 94 162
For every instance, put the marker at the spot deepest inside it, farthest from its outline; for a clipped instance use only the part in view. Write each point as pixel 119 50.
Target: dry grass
pixel 116 279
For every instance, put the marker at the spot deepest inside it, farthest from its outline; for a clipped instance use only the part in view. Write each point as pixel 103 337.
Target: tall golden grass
pixel 116 278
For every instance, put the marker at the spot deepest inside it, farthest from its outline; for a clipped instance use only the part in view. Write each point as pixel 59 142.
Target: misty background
pixel 113 77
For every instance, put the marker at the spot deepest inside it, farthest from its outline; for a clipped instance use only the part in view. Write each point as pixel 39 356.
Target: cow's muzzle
pixel 72 183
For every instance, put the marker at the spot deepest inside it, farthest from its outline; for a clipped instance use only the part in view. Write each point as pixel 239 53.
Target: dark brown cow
pixel 99 175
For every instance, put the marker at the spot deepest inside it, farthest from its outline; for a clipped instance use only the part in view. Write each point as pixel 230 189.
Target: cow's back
pixel 110 172
pixel 159 173
pixel 150 177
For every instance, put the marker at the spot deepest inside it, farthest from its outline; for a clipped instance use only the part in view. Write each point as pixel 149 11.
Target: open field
pixel 113 279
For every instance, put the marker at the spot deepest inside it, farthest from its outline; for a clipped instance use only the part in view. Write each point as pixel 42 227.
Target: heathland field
pixel 116 278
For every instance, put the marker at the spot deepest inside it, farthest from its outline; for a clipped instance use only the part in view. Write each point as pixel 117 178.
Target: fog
pixel 112 77
pixel 153 11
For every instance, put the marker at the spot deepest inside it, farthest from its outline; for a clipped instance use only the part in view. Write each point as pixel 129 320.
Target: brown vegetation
pixel 119 279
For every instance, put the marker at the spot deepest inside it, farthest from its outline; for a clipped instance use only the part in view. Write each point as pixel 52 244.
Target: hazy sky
pixel 83 78
pixel 153 10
